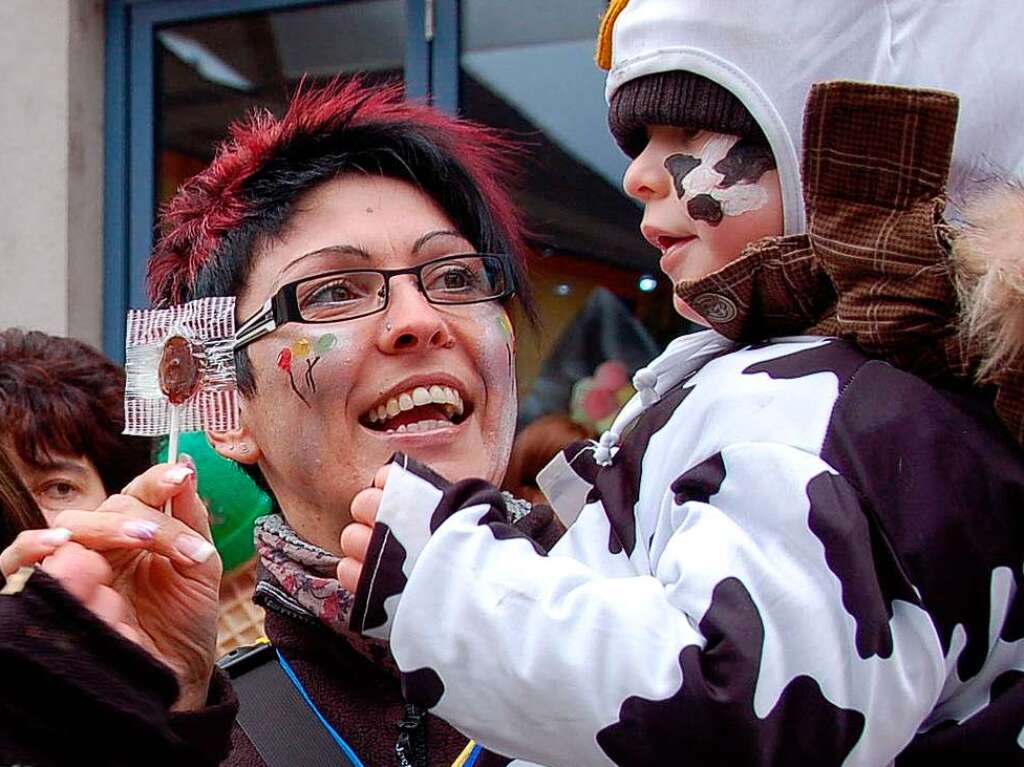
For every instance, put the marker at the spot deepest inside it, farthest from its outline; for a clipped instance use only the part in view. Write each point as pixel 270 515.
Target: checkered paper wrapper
pixel 208 325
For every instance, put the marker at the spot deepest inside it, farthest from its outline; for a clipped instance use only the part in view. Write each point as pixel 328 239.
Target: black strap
pixel 273 715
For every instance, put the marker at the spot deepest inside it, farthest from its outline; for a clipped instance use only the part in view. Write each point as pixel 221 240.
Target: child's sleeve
pixel 735 642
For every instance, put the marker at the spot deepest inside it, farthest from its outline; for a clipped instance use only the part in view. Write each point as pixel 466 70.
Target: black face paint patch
pixel 745 162
pixel 679 167
pixel 704 207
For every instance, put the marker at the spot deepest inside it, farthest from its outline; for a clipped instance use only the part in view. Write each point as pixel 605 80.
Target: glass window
pixel 214 71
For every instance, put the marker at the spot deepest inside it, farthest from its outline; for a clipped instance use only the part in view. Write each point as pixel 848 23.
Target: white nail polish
pixel 178 474
pixel 140 529
pixel 56 536
pixel 194 547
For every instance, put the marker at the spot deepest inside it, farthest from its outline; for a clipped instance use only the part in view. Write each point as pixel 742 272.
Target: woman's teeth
pixel 449 399
pixel 420 426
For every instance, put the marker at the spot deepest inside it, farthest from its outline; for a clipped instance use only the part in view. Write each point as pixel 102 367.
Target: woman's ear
pixel 235 445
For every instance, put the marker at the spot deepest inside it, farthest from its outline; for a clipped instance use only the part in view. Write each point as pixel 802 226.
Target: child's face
pixel 706 196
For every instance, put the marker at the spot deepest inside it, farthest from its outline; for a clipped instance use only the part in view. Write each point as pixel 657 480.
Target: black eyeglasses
pixel 349 294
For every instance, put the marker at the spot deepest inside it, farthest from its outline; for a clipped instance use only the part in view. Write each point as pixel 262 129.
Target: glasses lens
pixel 464 279
pixel 340 296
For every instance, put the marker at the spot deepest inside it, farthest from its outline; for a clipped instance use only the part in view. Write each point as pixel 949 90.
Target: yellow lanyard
pixel 464 757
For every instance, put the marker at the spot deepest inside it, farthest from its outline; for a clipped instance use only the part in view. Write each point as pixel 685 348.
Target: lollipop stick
pixel 172 444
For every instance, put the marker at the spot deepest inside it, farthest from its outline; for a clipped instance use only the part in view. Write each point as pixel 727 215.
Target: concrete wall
pixel 51 166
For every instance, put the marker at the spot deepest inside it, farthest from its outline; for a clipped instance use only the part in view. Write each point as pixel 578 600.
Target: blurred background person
pixel 61 418
pixel 534 448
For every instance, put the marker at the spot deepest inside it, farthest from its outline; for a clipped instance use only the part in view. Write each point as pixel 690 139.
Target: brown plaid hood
pixel 878 264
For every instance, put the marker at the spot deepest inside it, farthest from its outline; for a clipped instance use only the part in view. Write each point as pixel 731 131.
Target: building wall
pixel 51 166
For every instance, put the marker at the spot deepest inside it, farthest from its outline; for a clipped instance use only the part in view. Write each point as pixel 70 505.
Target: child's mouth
pixel 673 254
pixel 667 242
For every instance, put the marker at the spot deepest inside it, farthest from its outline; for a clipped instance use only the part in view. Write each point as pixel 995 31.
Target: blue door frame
pixel 431 71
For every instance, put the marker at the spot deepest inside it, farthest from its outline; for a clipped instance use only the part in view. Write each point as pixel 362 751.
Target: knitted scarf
pixel 304 577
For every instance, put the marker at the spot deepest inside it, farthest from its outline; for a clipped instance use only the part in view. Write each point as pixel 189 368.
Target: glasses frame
pixel 283 307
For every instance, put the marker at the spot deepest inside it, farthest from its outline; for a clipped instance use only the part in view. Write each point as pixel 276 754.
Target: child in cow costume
pixel 802 542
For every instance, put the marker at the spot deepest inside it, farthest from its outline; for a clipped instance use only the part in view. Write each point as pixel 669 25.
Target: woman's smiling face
pixel 334 401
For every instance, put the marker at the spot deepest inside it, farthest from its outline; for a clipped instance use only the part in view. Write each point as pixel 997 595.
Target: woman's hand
pixel 164 568
pixel 355 538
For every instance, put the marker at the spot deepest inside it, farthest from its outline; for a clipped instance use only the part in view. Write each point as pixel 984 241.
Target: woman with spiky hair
pixel 374 255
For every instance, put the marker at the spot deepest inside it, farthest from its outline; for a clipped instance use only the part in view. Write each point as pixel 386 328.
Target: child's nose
pixel 646 177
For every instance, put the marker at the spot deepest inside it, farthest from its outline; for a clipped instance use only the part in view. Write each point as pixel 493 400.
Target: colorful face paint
pixel 300 349
pixel 284 362
pixel 323 345
pixel 505 324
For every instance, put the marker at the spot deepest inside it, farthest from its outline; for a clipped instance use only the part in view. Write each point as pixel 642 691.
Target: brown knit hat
pixel 677 98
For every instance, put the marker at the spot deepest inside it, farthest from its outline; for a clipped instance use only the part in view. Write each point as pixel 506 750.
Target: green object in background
pixel 232 498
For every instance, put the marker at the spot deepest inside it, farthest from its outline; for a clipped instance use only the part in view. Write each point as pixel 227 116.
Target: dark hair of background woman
pixel 18 511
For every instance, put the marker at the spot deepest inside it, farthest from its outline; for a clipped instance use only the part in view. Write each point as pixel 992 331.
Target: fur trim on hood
pixel 989 261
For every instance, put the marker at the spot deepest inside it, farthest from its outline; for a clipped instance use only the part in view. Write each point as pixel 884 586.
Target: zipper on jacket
pixel 411 747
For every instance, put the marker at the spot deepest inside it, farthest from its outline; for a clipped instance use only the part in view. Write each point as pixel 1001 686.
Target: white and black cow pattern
pixel 797 556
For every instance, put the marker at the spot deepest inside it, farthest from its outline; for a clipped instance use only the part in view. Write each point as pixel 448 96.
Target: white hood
pixel 768 53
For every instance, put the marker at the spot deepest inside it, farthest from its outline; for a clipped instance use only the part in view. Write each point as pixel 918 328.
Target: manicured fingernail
pixel 194 547
pixel 140 529
pixel 178 474
pixel 56 536
pixel 186 459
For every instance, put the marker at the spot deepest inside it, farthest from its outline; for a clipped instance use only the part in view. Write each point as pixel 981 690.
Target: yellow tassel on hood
pixel 603 56
pixel 989 260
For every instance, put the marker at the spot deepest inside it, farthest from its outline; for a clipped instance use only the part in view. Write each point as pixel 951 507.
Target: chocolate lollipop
pixel 180 371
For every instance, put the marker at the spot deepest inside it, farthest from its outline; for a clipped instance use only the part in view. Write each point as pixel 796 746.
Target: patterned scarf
pixel 304 577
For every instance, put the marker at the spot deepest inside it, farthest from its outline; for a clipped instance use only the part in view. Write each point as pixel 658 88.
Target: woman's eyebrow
pixel 418 245
pixel 69 467
pixel 334 250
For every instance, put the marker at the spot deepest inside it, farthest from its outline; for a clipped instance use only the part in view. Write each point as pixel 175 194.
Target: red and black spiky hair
pixel 209 228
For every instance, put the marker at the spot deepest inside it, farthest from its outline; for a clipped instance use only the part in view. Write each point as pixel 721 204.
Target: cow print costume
pixel 797 555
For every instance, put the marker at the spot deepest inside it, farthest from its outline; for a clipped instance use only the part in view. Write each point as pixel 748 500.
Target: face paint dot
pixel 301 348
pixel 706 208
pixel 326 342
pixel 505 325
pixel 284 360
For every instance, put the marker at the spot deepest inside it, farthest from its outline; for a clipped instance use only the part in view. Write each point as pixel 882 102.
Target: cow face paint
pixel 745 162
pixel 722 181
pixel 706 196
pixel 680 165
